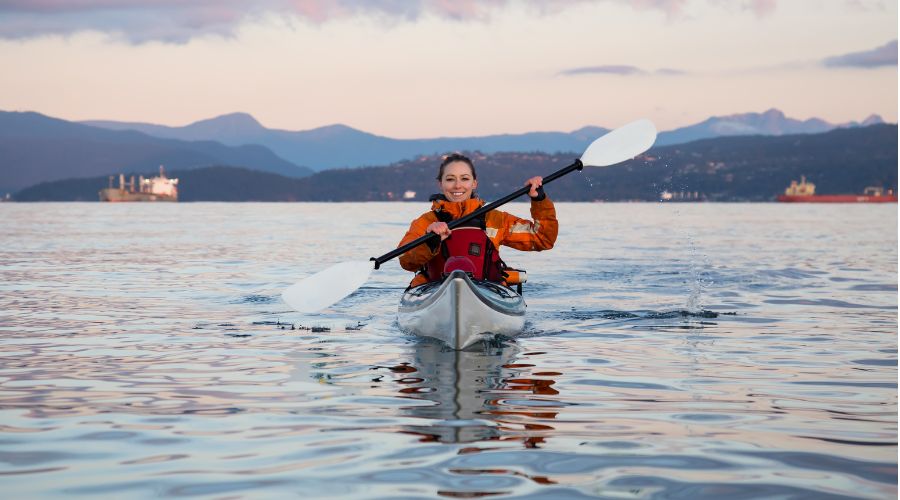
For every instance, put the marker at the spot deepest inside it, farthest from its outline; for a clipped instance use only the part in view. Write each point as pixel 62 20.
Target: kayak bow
pixel 460 311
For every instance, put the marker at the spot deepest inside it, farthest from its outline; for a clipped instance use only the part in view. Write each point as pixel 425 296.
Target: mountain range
pixel 343 146
pixel 742 168
pixel 35 148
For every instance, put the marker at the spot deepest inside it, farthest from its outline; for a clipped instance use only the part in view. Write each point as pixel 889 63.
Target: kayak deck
pixel 460 311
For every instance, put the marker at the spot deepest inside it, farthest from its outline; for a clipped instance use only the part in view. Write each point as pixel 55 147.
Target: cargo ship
pixel 805 192
pixel 160 188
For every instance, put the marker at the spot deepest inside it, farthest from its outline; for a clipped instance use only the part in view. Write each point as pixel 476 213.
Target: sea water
pixel 670 351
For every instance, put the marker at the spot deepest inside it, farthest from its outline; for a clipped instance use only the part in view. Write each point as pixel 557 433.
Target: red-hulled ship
pixel 805 192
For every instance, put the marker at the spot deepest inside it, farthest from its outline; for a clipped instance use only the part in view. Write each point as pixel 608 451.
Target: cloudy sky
pixel 425 68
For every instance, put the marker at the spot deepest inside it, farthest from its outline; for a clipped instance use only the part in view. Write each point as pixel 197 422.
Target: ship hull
pixel 838 198
pixel 121 195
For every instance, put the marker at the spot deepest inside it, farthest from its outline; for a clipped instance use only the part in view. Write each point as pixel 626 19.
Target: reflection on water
pixel 480 394
pixel 745 359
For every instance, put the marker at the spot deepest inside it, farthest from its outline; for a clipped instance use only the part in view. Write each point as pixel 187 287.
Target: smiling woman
pixel 457 182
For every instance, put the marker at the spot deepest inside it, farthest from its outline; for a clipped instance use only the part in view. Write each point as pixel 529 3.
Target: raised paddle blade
pixel 623 143
pixel 328 286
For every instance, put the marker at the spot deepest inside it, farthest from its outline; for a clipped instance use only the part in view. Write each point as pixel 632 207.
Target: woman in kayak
pixel 457 182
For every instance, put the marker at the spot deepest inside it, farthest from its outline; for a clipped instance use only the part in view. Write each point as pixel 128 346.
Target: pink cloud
pixel 763 8
pixel 178 21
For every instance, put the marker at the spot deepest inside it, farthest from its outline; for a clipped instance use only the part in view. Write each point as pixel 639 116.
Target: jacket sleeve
pixel 414 259
pixel 539 234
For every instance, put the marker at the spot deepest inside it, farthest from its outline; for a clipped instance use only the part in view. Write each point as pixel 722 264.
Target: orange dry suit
pixel 501 228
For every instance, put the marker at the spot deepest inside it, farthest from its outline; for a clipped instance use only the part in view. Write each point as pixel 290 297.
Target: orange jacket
pixel 501 227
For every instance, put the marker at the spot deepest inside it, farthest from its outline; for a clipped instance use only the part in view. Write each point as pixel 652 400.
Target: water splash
pixel 699 275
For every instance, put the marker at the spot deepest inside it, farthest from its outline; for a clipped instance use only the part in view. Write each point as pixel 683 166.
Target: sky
pixel 430 68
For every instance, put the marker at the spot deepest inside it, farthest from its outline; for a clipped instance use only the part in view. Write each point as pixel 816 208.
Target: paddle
pixel 340 280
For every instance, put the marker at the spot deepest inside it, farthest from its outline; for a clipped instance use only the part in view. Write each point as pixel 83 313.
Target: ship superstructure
pixel 159 188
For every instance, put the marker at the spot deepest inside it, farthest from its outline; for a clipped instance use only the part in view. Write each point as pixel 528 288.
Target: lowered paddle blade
pixel 328 286
pixel 623 143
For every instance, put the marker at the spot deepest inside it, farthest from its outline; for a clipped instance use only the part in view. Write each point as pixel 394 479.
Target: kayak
pixel 461 311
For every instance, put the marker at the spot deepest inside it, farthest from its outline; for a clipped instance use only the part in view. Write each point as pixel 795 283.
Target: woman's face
pixel 457 183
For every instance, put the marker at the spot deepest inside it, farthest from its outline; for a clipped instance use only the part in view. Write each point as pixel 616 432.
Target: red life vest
pixel 470 250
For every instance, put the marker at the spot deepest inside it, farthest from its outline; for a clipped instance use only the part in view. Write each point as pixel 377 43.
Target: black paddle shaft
pixel 485 209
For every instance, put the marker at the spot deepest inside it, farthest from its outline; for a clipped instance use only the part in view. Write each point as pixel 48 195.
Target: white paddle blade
pixel 328 286
pixel 623 143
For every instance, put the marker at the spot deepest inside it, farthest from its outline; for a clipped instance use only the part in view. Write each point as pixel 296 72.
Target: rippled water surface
pixel 671 351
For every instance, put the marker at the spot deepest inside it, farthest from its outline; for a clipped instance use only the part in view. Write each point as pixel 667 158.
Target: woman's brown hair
pixel 452 157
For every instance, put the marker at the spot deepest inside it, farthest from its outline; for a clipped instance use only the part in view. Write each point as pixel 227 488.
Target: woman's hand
pixel 535 182
pixel 440 229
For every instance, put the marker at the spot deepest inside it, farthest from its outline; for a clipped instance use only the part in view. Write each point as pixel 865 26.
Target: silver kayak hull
pixel 461 311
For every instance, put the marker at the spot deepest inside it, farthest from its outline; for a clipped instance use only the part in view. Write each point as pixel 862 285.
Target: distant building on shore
pixel 681 196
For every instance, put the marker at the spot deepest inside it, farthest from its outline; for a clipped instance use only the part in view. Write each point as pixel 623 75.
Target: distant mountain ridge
pixel 342 146
pixel 771 122
pixel 336 146
pixel 743 168
pixel 36 148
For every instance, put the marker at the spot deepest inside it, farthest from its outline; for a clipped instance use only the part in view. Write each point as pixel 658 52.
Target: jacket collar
pixel 457 209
